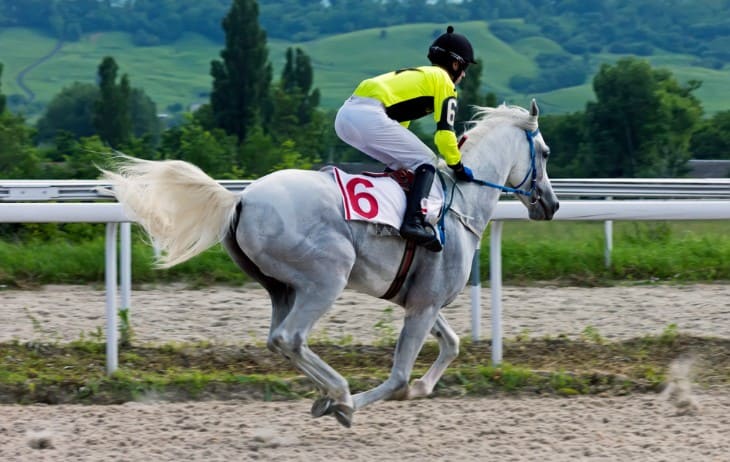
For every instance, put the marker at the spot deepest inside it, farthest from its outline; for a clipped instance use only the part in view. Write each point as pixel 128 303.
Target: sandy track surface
pixel 241 314
pixel 590 428
pixel 632 428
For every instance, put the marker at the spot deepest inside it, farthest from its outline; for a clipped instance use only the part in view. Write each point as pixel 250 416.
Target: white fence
pixel 27 202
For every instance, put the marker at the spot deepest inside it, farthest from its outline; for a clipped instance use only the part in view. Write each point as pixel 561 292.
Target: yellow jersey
pixel 412 93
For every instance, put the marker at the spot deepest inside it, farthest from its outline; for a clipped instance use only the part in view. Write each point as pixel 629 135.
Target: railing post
pixel 125 280
pixel 608 250
pixel 608 233
pixel 495 276
pixel 111 297
pixel 125 265
pixel 476 291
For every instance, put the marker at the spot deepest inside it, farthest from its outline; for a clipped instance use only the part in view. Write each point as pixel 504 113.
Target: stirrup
pixel 434 245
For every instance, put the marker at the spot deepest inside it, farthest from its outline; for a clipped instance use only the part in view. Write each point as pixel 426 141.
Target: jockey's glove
pixel 461 172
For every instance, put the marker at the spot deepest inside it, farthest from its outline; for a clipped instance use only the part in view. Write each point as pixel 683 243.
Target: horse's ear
pixel 534 110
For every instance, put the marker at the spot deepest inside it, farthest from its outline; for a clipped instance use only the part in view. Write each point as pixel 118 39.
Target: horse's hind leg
pixel 415 329
pixel 290 339
pixel 282 300
pixel 293 313
pixel 281 294
pixel 448 351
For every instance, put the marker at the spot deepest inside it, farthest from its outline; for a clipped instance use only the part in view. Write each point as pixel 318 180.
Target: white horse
pixel 287 230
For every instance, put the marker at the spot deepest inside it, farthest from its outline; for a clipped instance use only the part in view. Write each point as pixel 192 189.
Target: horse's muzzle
pixel 543 207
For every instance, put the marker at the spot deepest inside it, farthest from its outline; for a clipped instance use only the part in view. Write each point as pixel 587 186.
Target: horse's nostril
pixel 557 206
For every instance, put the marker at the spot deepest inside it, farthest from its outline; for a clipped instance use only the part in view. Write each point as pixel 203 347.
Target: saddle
pixel 402 176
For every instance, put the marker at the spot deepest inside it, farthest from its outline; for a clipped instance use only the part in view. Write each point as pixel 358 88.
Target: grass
pixel 179 73
pixel 38 262
pixel 573 252
pixel 560 252
pixel 75 372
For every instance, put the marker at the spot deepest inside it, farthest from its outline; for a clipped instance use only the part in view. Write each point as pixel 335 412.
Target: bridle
pixel 533 192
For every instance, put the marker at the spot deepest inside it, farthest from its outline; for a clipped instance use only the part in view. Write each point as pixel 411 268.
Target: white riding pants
pixel 363 124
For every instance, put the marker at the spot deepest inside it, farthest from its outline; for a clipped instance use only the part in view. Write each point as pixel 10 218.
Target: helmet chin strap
pixel 454 74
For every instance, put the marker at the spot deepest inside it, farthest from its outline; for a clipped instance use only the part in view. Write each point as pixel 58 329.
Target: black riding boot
pixel 413 227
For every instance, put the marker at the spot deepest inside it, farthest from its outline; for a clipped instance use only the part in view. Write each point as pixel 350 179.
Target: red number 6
pixel 356 197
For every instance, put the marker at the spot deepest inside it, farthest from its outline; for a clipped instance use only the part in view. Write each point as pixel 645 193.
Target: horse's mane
pixel 486 118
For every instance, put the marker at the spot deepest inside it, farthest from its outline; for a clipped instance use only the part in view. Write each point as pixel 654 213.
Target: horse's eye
pixel 546 154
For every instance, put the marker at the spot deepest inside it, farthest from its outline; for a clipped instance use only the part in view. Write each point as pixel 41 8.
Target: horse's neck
pixel 490 161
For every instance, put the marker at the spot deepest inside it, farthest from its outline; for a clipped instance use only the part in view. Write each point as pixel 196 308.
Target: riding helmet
pixel 449 47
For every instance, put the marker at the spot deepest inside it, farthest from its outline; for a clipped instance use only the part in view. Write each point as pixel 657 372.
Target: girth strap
pixel 400 277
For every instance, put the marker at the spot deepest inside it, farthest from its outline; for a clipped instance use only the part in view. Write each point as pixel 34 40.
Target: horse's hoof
pixel 322 406
pixel 343 414
pixel 418 389
pixel 327 406
pixel 399 394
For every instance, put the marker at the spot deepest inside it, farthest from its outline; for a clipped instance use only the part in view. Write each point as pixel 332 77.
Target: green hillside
pixel 179 73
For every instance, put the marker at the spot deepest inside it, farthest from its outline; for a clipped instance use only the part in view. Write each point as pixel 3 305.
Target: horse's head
pixel 529 174
pixel 514 154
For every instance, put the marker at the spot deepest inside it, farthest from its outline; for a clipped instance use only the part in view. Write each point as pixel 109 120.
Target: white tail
pixel 183 210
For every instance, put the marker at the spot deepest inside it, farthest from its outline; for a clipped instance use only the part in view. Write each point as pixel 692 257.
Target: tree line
pixel 643 123
pixel 700 27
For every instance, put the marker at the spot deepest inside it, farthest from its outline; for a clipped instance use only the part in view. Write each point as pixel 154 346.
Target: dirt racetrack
pixel 642 427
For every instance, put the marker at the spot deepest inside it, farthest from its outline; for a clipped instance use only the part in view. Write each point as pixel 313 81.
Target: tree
pixel 143 114
pixel 298 130
pixel 83 156
pixel 681 113
pixel 71 111
pixel 242 78
pixel 296 124
pixel 18 157
pixel 641 122
pixel 259 154
pixel 711 140
pixel 296 80
pixel 111 111
pixel 211 150
pixel 566 136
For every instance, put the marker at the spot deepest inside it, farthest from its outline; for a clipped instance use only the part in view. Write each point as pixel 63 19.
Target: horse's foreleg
pixel 415 329
pixel 448 351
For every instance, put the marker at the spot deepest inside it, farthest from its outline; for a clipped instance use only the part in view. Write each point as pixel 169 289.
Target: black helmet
pixel 449 47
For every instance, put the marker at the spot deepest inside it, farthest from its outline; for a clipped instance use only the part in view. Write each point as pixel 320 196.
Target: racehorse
pixel 287 230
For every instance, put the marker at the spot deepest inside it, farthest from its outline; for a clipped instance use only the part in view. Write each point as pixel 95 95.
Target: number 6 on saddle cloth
pixel 380 198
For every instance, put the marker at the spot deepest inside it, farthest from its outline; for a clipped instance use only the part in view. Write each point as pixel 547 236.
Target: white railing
pixel 26 201
pixel 639 188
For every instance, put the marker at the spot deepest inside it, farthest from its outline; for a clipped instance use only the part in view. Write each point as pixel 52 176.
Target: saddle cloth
pixel 380 199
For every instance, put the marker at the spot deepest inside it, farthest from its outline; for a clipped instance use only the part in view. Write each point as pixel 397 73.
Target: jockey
pixel 376 117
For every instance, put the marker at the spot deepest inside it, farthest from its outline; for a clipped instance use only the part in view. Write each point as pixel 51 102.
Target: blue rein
pixel 532 173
